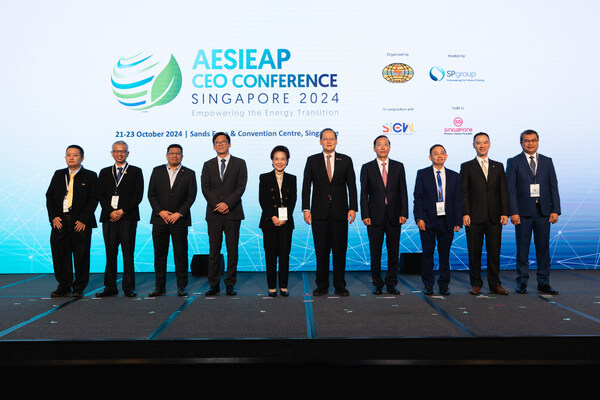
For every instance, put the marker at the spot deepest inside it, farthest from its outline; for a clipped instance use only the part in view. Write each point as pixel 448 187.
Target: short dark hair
pixel 219 134
pixel 379 137
pixel 75 146
pixel 481 133
pixel 528 132
pixel 434 146
pixel 175 146
pixel 327 129
pixel 282 149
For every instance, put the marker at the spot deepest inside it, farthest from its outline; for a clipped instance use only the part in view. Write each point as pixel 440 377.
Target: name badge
pixel 114 202
pixel 534 190
pixel 282 213
pixel 65 205
pixel 439 207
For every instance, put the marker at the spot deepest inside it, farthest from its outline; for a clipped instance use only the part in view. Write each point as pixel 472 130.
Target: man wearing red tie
pixel 384 209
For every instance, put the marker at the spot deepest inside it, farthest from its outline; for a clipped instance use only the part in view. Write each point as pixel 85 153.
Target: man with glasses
pixel 223 182
pixel 331 207
pixel 171 192
pixel 120 189
pixel 534 206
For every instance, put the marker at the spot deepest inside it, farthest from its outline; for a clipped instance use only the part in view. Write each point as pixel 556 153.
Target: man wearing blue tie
pixel 438 213
pixel 534 206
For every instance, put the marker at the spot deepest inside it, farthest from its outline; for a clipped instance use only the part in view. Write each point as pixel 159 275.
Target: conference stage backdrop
pixel 153 73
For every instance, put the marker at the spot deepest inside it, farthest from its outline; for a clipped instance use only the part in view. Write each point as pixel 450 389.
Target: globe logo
pixel 144 81
pixel 397 73
pixel 437 73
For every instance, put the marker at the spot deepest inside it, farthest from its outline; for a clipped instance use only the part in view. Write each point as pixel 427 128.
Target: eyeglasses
pixel 174 154
pixel 120 151
pixel 530 140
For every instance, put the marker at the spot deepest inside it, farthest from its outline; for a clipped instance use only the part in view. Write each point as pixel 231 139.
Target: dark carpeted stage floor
pixel 252 329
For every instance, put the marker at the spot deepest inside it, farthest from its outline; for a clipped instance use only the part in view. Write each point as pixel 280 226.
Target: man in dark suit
pixel 438 213
pixel 120 189
pixel 485 211
pixel 71 199
pixel 384 209
pixel 333 205
pixel 171 192
pixel 534 206
pixel 223 183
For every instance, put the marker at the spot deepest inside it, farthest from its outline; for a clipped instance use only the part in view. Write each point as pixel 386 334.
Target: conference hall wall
pixel 154 73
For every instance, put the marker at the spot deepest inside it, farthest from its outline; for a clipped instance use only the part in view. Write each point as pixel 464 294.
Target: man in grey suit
pixel 223 182
pixel 171 192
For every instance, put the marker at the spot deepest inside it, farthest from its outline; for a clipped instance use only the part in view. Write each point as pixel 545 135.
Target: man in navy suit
pixel 331 207
pixel 71 201
pixel 485 211
pixel 534 206
pixel 223 182
pixel 384 209
pixel 438 213
pixel 171 192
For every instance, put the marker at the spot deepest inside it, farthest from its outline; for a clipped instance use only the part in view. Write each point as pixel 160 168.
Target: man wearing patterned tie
pixel 331 207
pixel 223 182
pixel 534 206
pixel 71 199
pixel 120 189
pixel 384 209
pixel 485 211
pixel 438 214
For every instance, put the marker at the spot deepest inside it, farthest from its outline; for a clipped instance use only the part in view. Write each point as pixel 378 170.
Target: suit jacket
pixel 341 191
pixel 130 192
pixel 229 191
pixel 426 196
pixel 519 176
pixel 178 198
pixel 270 199
pixel 483 199
pixel 85 196
pixel 373 192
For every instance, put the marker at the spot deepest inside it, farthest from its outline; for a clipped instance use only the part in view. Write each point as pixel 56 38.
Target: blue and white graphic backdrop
pixel 154 73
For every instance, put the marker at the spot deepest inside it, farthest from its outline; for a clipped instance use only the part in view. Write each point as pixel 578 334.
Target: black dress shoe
pixel 156 292
pixel 522 288
pixel 76 294
pixel 181 292
pixel 130 293
pixel 428 290
pixel 107 293
pixel 212 291
pixel 546 289
pixel 392 290
pixel 377 290
pixel 342 292
pixel 444 291
pixel 320 292
pixel 272 293
pixel 230 291
pixel 284 292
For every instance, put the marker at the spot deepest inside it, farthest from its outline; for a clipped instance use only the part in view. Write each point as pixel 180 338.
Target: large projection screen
pixel 274 73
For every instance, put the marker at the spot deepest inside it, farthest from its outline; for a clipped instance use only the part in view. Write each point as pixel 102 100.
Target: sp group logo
pixel 145 80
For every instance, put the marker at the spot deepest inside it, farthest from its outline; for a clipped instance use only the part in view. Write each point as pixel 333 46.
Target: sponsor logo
pixel 145 80
pixel 458 128
pixel 397 73
pixel 437 73
pixel 399 128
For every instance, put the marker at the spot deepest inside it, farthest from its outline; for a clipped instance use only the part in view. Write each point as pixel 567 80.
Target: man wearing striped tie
pixel 534 206
pixel 71 199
